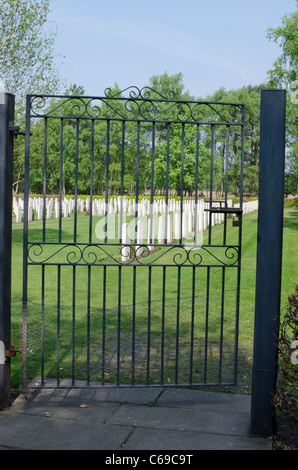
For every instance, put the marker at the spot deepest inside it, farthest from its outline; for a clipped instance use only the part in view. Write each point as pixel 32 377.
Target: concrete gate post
pixel 269 260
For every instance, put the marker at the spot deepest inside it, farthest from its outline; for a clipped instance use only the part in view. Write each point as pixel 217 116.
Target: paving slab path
pixel 128 419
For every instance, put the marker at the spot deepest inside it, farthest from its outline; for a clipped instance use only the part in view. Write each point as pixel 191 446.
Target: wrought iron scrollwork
pixel 126 255
pixel 145 93
pixel 143 104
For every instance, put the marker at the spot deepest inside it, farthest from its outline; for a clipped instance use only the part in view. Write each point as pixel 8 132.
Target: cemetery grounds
pixel 89 321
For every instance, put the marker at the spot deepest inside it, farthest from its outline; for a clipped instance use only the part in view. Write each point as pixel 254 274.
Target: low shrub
pixel 291 202
pixel 286 396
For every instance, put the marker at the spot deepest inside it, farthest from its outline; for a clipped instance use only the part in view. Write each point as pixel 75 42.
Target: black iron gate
pixel 132 254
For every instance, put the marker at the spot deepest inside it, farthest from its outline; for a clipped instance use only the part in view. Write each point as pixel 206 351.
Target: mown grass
pixel 136 321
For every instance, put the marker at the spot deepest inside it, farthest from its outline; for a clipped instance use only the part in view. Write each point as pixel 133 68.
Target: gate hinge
pixel 11 352
pixel 15 130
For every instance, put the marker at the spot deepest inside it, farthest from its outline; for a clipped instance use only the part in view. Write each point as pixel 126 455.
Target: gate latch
pixel 11 352
pixel 5 353
pixel 236 221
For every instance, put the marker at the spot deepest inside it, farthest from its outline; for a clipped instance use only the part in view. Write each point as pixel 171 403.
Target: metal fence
pixel 131 287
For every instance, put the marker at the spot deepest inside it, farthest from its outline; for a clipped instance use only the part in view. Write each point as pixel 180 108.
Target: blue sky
pixel 215 43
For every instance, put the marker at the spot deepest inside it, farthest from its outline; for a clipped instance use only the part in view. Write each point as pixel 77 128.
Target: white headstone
pixel 18 214
pixel 170 229
pixel 161 229
pixel 150 234
pixel 177 226
pixel 30 212
pixel 125 250
pixel 65 208
pixel 139 249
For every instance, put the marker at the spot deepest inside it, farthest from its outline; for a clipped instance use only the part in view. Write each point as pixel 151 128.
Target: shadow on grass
pixel 111 352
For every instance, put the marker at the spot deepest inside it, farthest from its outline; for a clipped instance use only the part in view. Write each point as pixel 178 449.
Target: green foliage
pixel 77 141
pixel 27 65
pixel 285 68
pixel 250 97
pixel 286 396
pixel 293 202
pixel 27 59
pixel 284 73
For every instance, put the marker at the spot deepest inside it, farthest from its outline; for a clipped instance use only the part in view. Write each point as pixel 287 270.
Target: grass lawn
pixel 81 327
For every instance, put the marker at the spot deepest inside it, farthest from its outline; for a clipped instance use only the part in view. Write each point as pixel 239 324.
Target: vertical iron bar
pixel 192 324
pixel 226 182
pixel 223 269
pixel 182 182
pixel 119 269
pixel 88 323
pixel 133 325
pixel 269 260
pixel 122 175
pixel 60 238
pixel 152 184
pixel 206 324
pixel 42 323
pixel 211 183
pixel 165 237
pixel 104 284
pixel 60 179
pixel 119 325
pixel 151 229
pixel 107 183
pixel 196 185
pixel 163 324
pixel 91 183
pixel 221 323
pixel 6 174
pixel 45 180
pixel 239 249
pixel 237 308
pixel 209 242
pixel 149 324
pixel 177 325
pixel 137 184
pixel 25 243
pixel 103 367
pixel 227 164
pixel 76 180
pixel 195 242
pixel 89 267
pixel 58 322
pixel 73 322
pixel 75 239
pixel 43 239
pixel 242 156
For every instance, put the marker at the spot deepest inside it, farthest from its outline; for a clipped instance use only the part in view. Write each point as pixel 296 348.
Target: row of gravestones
pixel 99 207
pixel 130 207
pixel 188 225
pixel 51 208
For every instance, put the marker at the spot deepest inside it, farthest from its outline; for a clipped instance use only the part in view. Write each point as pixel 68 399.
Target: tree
pixel 250 97
pixel 284 73
pixel 169 132
pixel 285 68
pixel 27 60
